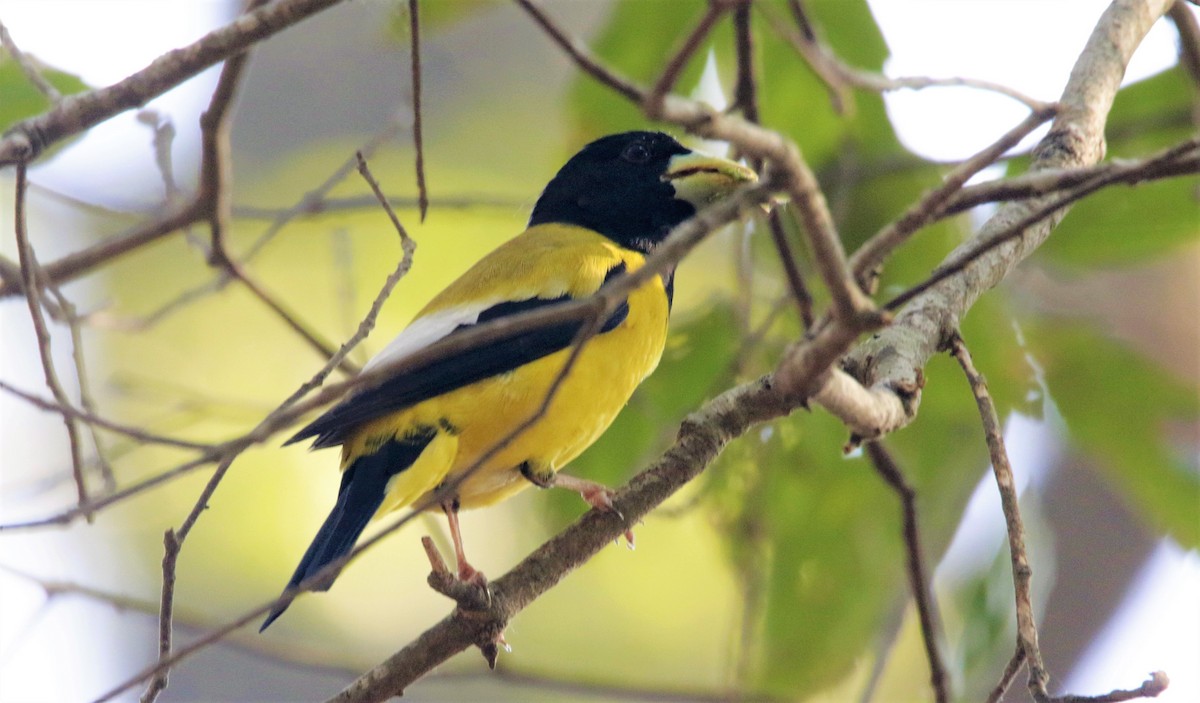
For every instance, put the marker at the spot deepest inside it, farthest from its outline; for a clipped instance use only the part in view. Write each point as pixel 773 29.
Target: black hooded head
pixel 618 186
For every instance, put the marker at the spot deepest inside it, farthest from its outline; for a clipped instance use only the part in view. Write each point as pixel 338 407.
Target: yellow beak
pixel 701 179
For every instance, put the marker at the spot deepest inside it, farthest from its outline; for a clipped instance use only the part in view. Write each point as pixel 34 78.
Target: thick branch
pixel 701 438
pixel 896 356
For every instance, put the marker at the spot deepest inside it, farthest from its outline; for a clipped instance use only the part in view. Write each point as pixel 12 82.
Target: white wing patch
pixel 427 330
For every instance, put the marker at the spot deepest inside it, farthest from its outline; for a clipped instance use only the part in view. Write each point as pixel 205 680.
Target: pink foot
pixel 596 495
pixel 471 575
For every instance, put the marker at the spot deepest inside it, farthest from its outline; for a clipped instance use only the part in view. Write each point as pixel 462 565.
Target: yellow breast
pixel 478 416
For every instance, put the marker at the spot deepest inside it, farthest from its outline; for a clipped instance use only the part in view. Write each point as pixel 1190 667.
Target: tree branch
pixel 918 581
pixel 701 438
pixel 1027 634
pixel 838 76
pixel 27 139
pixel 32 73
pixel 895 357
pixel 414 25
pixel 876 249
pixel 33 283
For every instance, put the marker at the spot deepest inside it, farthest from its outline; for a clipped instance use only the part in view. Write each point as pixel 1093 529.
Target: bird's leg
pixel 466 572
pixel 597 495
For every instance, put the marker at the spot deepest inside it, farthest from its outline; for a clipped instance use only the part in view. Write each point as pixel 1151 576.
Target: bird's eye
pixel 636 153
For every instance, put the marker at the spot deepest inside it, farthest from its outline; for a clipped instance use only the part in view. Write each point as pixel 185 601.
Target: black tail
pixel 364 485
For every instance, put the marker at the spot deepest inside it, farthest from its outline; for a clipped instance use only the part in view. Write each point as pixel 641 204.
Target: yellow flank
pixel 545 261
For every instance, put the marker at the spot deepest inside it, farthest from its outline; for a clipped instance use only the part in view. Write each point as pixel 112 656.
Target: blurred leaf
pixel 635 42
pixel 830 529
pixel 21 99
pixel 1122 224
pixel 1151 114
pixel 787 86
pixel 979 610
pixel 835 542
pixel 814 537
pixel 640 36
pixel 1118 407
pixel 436 15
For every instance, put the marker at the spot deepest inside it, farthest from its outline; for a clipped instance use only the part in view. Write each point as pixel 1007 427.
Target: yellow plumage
pixel 404 438
pixel 546 261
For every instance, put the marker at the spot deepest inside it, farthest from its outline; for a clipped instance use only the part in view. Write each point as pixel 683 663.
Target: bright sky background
pixel 1159 626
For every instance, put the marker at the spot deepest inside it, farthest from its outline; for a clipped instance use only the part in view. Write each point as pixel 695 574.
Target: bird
pixel 406 436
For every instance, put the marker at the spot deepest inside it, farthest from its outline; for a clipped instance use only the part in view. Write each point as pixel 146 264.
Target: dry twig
pixel 414 24
pixel 27 139
pixel 839 76
pixel 1027 634
pixel 32 73
pixel 918 581
pixel 876 249
pixel 33 283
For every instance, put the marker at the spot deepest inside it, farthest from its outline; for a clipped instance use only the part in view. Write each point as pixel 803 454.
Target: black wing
pixel 453 372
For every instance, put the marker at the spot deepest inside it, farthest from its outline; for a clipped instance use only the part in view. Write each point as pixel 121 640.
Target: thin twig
pixel 918 581
pixel 745 90
pixel 819 58
pixel 406 242
pixel 674 65
pixel 32 73
pixel 74 265
pixel 1150 688
pixel 791 269
pixel 582 56
pixel 837 75
pixel 1180 159
pixel 1010 673
pixel 1189 38
pixel 312 202
pixel 27 139
pixel 1027 634
pixel 214 195
pixel 71 318
pixel 90 418
pixel 33 282
pixel 1117 174
pixel 875 250
pixel 414 23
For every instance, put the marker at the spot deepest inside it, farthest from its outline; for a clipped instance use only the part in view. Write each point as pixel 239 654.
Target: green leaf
pixel 1151 114
pixel 636 42
pixel 835 566
pixel 21 99
pixel 787 85
pixel 1124 224
pixel 1118 407
pixel 436 16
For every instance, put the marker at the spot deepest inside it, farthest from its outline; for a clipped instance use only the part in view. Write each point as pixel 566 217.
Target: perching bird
pixel 401 439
